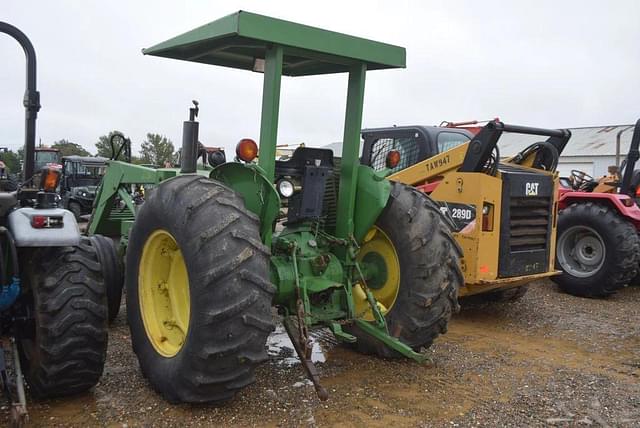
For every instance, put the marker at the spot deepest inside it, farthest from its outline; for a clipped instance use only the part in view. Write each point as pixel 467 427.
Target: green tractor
pixel 211 251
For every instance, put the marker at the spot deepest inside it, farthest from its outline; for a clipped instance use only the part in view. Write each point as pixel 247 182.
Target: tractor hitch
pixel 17 400
pixel 304 352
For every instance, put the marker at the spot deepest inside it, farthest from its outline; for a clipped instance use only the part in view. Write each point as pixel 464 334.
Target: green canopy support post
pixel 270 110
pixel 350 151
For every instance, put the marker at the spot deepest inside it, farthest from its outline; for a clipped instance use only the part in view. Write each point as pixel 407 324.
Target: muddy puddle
pixel 281 350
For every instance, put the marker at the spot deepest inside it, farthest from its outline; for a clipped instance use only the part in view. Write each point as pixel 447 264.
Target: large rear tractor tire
pixel 597 250
pixel 112 272
pixel 415 272
pixel 64 345
pixel 198 291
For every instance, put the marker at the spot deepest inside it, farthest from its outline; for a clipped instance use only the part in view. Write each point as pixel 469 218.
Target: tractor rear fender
pixel 623 204
pixel 260 196
pixel 26 235
pixel 372 194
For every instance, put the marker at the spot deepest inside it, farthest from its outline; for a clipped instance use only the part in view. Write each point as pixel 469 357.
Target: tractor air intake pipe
pixel 189 155
pixel 31 100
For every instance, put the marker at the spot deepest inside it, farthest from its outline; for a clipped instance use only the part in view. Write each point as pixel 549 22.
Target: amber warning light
pixel 393 159
pixel 50 179
pixel 247 150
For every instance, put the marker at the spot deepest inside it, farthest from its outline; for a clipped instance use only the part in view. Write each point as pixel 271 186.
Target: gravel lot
pixel 549 359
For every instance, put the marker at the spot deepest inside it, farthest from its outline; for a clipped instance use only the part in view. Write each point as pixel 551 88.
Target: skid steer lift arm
pixel 483 144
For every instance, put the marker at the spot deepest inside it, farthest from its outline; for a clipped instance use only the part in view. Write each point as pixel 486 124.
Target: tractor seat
pixel 588 186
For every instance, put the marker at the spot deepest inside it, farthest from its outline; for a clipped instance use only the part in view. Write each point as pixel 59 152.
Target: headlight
pixel 285 188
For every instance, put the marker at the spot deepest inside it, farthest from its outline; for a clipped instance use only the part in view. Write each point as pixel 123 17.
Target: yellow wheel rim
pixel 163 290
pixel 381 267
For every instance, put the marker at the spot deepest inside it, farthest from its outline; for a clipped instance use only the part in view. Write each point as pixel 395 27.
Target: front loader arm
pixel 109 219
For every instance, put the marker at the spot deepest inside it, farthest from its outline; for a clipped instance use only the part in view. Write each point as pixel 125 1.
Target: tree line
pixel 156 149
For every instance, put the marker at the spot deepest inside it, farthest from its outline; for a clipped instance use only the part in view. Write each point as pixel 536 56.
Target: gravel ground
pixel 548 359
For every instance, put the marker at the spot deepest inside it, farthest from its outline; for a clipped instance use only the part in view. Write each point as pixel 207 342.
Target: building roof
pixel 585 141
pixel 239 39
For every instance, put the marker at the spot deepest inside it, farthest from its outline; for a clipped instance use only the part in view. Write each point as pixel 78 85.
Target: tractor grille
pixel 529 223
pixel 330 201
pixel 526 222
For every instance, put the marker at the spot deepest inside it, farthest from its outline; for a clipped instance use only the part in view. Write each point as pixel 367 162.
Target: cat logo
pixel 531 189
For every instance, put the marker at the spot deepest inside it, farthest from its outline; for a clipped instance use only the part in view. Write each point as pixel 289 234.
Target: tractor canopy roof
pixel 241 39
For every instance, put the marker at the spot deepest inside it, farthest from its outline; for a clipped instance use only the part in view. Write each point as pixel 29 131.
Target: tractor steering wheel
pixel 579 178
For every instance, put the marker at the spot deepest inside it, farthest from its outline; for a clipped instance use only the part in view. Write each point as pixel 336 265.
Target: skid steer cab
pixel 330 244
pixel 502 212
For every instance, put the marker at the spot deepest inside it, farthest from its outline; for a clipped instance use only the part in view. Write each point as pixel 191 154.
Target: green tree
pixel 104 147
pixel 156 150
pixel 67 148
pixel 11 161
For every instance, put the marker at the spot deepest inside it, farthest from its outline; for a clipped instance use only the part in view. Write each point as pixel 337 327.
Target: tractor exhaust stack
pixel 31 100
pixel 189 157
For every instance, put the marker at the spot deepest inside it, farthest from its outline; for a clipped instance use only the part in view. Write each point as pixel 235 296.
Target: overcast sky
pixel 541 63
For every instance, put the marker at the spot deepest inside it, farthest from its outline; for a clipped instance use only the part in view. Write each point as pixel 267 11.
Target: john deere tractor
pixel 503 212
pixel 210 252
pixel 53 312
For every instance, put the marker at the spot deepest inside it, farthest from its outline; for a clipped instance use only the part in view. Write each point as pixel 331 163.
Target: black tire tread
pixel 229 286
pixel 76 209
pixel 622 256
pixel 430 265
pixel 112 272
pixel 69 305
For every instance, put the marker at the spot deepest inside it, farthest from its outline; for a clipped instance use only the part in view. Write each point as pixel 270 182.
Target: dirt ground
pixel 548 359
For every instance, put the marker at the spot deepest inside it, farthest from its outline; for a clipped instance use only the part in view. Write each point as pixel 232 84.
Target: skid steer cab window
pixel 449 140
pixel 408 148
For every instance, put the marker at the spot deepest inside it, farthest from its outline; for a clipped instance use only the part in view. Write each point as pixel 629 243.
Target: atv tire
pixel 430 274
pixel 76 209
pixel 597 250
pixel 226 267
pixel 112 272
pixel 64 347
